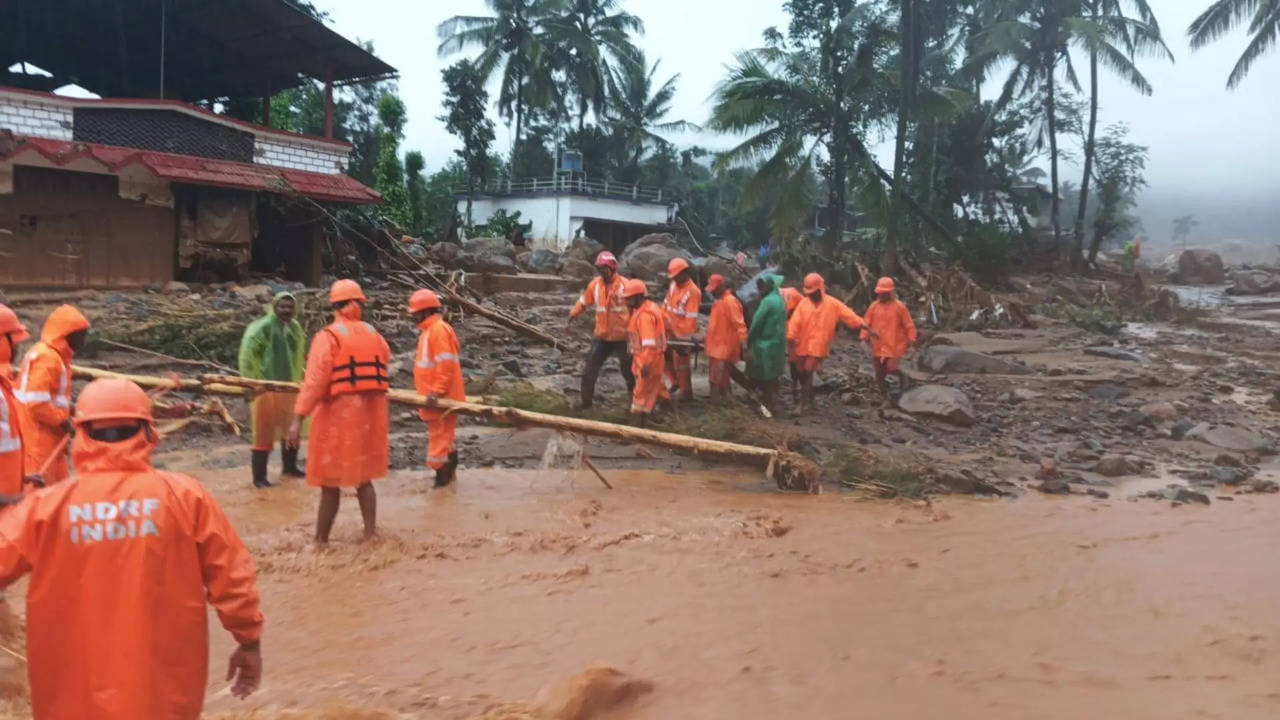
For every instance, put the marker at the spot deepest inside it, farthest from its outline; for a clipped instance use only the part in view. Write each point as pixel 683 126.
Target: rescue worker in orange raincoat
pixel 11 454
pixel 791 298
pixel 344 392
pixel 44 391
pixel 890 318
pixel 812 327
pixel 122 563
pixel 437 373
pixel 604 296
pixel 726 333
pixel 681 311
pixel 647 336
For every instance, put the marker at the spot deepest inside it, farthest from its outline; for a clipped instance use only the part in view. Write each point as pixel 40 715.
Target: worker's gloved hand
pixel 244 670
pixel 871 333
pixel 432 398
pixel 34 479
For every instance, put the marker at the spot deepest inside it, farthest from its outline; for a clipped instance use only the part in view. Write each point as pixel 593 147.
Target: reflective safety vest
pixel 360 359
pixel 653 337
pixel 681 308
pixel 10 429
pixel 59 396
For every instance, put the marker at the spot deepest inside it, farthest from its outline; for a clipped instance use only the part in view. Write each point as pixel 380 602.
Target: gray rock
pixel 648 261
pixel 1095 492
pixel 1018 395
pixel 1228 438
pixel 577 269
pixel 174 286
pixel 490 246
pixel 939 401
pixel 1227 475
pixel 946 359
pixel 1253 282
pixel 584 248
pixel 1162 411
pixel 1057 486
pixel 1200 267
pixel 1228 460
pixel 513 367
pixel 444 252
pixel 1113 353
pixel 1113 466
pixel 1185 495
pixel 1181 428
pixel 1106 391
pixel 544 262
pixel 492 264
pixel 1048 469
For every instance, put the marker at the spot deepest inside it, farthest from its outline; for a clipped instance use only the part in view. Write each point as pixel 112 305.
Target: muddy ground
pixel 1126 597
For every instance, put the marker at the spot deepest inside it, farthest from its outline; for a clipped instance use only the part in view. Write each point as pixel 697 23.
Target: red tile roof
pixel 203 171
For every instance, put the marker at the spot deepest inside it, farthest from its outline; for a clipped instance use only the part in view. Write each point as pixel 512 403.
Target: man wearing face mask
pixel 123 562
pixel 44 391
pixel 344 392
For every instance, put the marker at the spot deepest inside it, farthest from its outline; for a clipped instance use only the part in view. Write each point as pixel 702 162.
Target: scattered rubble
pixel 939 401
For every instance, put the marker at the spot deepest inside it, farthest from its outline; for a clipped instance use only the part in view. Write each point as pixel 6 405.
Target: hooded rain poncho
pixel 272 350
pixel 767 338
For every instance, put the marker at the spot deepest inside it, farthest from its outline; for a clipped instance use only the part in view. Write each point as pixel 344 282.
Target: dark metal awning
pixel 212 49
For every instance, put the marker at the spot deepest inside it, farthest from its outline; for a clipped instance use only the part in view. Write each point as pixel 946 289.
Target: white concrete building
pixel 613 214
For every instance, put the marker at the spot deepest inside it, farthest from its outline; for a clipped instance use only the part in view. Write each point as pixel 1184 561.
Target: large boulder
pixel 490 246
pixel 1253 282
pixel 947 359
pixel 584 248
pixel 647 257
pixel 577 269
pixel 939 401
pixel 541 261
pixel 1228 438
pixel 492 264
pixel 1200 267
pixel 444 252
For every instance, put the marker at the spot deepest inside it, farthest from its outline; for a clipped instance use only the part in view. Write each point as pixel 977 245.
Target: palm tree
pixel 1140 35
pixel 513 39
pixel 590 37
pixel 636 110
pixel 1182 228
pixel 1224 15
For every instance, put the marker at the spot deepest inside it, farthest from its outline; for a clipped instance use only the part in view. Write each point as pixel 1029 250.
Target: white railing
pixel 566 184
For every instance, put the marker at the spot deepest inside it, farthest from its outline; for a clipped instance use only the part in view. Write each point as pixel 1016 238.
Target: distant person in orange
pixel 647 335
pixel 726 333
pixel 122 563
pixel 604 296
pixel 11 453
pixel 344 392
pixel 791 298
pixel 890 318
pixel 437 373
pixel 681 311
pixel 812 327
pixel 44 391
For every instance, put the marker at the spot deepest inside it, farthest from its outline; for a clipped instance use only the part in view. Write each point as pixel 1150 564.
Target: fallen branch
pixel 167 358
pixel 592 467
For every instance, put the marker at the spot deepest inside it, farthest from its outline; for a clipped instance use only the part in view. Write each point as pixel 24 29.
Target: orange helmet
pixel 112 399
pixel 884 285
pixel 634 287
pixel 676 266
pixel 813 282
pixel 607 258
pixel 10 324
pixel 423 300
pixel 344 290
pixel 715 282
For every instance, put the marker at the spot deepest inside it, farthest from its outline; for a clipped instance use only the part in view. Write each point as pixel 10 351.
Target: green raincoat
pixel 271 350
pixel 767 339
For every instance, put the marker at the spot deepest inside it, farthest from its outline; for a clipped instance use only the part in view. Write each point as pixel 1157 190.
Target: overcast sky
pixel 1214 152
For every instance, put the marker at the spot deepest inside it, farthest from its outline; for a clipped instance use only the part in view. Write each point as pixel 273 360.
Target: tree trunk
pixel 836 196
pixel 1051 110
pixel 1077 242
pixel 906 76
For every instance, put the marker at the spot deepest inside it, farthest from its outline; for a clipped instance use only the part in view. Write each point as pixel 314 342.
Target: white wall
pixel 299 154
pixel 34 116
pixel 556 219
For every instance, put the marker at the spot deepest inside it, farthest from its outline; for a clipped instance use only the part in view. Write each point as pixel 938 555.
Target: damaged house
pixel 145 184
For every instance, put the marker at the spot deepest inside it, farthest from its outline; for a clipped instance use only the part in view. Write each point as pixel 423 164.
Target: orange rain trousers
pixel 270 415
pixel 726 330
pixel 122 563
pixel 438 371
pixel 648 342
pixel 348 445
pixel 605 299
pixel 893 323
pixel 44 393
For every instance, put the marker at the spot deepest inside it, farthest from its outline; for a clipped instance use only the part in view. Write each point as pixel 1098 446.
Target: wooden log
pixel 513 416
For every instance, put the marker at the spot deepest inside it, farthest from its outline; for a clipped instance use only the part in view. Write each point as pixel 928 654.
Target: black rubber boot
pixel 260 458
pixel 448 472
pixel 289 456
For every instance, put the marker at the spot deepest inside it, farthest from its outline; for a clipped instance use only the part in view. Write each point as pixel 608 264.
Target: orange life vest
pixel 360 359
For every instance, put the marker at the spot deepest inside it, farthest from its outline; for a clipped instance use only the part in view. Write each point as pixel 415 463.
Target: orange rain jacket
pixel 726 330
pixel 11 455
pixel 812 327
pixel 348 445
pixel 438 371
pixel 612 314
pixel 648 344
pixel 892 321
pixel 791 297
pixel 44 392
pixel 681 309
pixel 122 562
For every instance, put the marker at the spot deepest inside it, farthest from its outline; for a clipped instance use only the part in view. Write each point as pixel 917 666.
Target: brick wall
pixel 32 116
pixel 280 152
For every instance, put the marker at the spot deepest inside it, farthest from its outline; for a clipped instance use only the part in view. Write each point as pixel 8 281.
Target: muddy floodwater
pixel 738 602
